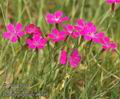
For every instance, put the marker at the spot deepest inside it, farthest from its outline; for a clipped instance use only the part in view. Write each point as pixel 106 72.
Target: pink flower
pixel 113 46
pixel 57 36
pixel 89 30
pixel 97 37
pixel 107 44
pixel 78 28
pixel 33 29
pixel 69 29
pixel 63 57
pixel 55 18
pixel 37 42
pixel 75 59
pixel 13 32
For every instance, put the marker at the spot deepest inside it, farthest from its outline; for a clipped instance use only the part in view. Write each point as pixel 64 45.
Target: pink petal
pixel 42 44
pixel 88 38
pixel 10 27
pixel 55 31
pixel 69 28
pixel 30 44
pixel 58 14
pixel 80 22
pixel 113 46
pixel 52 36
pixel 6 35
pixel 38 31
pixel 30 28
pixel 75 59
pixel 14 39
pixel 66 18
pixel 100 34
pixel 20 34
pixel 49 18
pixel 75 34
pixel 19 27
pixel 63 57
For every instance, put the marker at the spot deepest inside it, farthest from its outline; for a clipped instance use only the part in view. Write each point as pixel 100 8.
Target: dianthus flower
pixel 89 29
pixel 74 59
pixel 37 42
pixel 57 36
pixel 33 29
pixel 69 29
pixel 79 28
pixel 107 44
pixel 13 32
pixel 56 18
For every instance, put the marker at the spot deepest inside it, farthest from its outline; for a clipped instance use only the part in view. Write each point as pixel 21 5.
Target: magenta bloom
pixel 56 18
pixel 33 29
pixel 13 32
pixel 89 30
pixel 113 46
pixel 69 29
pixel 63 57
pixel 57 36
pixel 79 28
pixel 37 42
pixel 97 37
pixel 75 59
pixel 107 44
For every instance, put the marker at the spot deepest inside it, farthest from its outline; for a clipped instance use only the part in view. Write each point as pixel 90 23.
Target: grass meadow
pixel 39 73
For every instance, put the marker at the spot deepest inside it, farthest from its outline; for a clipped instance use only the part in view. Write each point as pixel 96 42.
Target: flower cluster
pixel 85 29
pixel 81 28
pixel 34 40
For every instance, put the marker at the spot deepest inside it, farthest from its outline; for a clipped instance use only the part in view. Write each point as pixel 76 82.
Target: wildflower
pixel 56 18
pixel 113 46
pixel 63 57
pixel 89 30
pixel 78 28
pixel 74 59
pixel 69 29
pixel 97 37
pixel 33 29
pixel 107 44
pixel 37 42
pixel 57 36
pixel 13 32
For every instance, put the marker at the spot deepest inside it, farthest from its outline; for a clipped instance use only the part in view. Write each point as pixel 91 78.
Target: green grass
pixel 97 77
